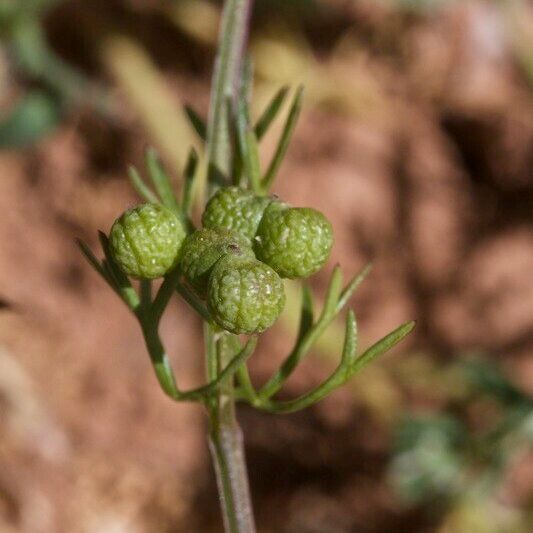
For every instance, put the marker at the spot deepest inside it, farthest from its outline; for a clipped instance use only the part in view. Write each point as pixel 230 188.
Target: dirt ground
pixel 431 180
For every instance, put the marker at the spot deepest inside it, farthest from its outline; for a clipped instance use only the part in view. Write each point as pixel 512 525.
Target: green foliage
pixel 445 459
pixel 428 463
pixel 56 84
pixel 219 276
pixel 37 114
pixel 244 295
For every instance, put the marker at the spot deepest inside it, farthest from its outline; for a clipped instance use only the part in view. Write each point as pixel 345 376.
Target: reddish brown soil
pixel 436 190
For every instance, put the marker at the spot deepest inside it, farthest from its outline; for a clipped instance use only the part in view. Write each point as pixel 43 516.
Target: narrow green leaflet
pixel 189 178
pixel 247 389
pixel 348 367
pixel 333 293
pixel 349 352
pixel 202 393
pixel 305 341
pixel 382 346
pixel 142 189
pixel 284 140
pixel 197 122
pixel 354 284
pixel 95 263
pixel 161 181
pixel 126 291
pixel 249 149
pixel 338 378
pixel 270 113
pixel 306 313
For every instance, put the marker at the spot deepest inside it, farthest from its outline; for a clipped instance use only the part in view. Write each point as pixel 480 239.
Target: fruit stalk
pixel 225 434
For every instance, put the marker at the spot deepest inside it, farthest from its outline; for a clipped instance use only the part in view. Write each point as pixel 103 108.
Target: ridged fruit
pixel 244 295
pixel 146 241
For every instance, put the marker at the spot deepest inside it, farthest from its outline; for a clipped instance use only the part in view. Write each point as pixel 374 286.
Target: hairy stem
pixel 225 435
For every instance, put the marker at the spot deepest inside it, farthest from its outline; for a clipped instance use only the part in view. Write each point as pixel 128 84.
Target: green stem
pixel 227 451
pixel 226 447
pixel 226 81
pixel 160 361
pixel 226 441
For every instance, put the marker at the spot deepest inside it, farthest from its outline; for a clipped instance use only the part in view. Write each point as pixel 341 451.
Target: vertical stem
pixel 227 449
pixel 226 441
pixel 226 81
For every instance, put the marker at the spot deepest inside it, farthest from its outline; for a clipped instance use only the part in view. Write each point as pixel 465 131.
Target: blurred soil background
pixel 416 140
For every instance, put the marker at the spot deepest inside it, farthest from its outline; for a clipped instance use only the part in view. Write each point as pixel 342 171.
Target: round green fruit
pixel 146 241
pixel 244 295
pixel 235 209
pixel 295 242
pixel 203 248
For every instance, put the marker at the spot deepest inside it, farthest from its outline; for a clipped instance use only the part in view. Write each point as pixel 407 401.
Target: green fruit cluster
pixel 243 295
pixel 295 242
pixel 236 261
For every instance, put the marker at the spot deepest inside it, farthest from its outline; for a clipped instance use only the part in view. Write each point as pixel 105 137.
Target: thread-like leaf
pixel 161 180
pixel 305 341
pixel 232 367
pixel 189 177
pixel 306 312
pixel 123 285
pixel 93 261
pixel 138 184
pixel 350 342
pixel 352 287
pixel 249 149
pixel 270 113
pixel 337 379
pixel 382 346
pixel 197 122
pixel 247 387
pixel 333 293
pixel 239 359
pixel 252 163
pixel 284 140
